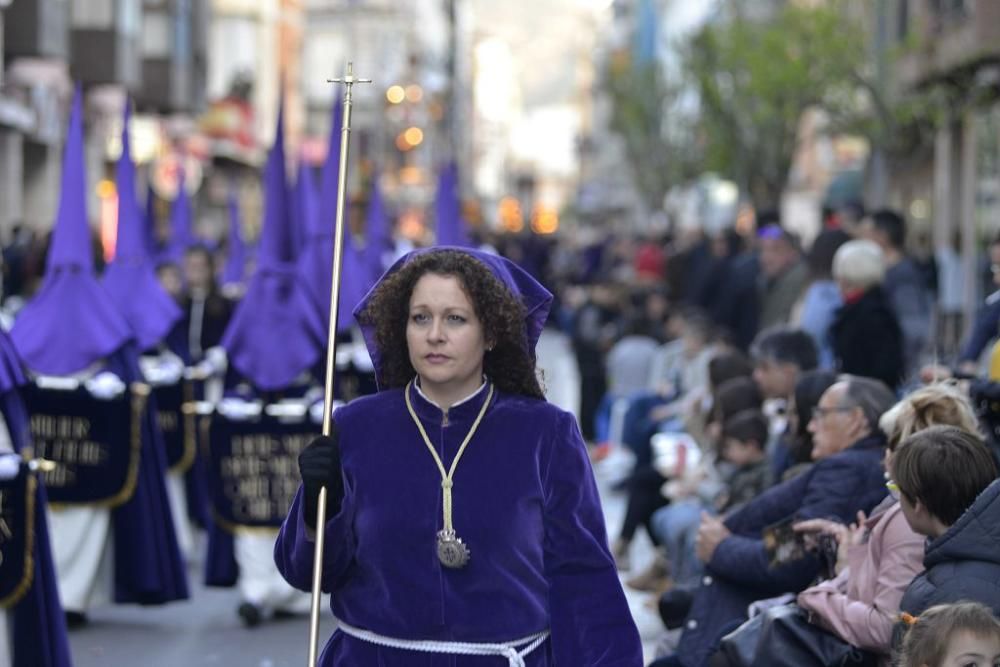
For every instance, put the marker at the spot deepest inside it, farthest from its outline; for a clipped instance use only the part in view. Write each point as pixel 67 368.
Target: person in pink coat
pixel 880 555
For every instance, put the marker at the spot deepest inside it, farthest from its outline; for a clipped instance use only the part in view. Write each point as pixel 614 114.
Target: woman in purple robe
pixel 464 526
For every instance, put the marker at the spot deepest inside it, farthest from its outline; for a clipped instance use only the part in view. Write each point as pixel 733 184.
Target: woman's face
pixel 198 271
pixel 170 279
pixel 445 338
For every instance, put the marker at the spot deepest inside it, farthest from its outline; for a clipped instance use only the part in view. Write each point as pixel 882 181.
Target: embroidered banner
pixel 95 443
pixel 17 536
pixel 175 416
pixel 253 469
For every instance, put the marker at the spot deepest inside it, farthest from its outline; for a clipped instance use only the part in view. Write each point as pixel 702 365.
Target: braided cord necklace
pixel 452 552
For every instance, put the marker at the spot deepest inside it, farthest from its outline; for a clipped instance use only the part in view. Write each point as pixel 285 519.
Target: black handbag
pixel 782 636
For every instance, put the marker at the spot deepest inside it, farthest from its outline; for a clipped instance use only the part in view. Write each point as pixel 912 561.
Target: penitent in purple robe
pixel 39 625
pixel 525 504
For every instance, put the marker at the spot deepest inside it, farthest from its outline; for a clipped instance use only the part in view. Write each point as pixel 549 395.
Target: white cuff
pixel 105 386
pixel 236 409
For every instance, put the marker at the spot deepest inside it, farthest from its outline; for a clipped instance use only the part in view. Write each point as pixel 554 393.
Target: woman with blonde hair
pixel 931 405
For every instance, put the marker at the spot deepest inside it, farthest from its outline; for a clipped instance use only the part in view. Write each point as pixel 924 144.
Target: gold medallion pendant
pixel 452 552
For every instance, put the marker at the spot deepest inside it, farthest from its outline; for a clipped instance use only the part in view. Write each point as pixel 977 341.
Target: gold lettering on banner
pixel 65 439
pixel 59 426
pixel 261 474
pixel 6 534
pixel 168 420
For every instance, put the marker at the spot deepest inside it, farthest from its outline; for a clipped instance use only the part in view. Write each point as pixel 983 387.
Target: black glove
pixel 319 465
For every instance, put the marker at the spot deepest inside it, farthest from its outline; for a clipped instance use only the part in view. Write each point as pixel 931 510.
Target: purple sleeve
pixel 295 549
pixel 590 619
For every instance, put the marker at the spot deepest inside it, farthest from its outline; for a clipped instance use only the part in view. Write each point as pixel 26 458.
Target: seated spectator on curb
pixel 860 605
pixel 628 364
pixel 678 382
pixel 847 478
pixel 797 440
pixel 780 355
pixel 646 485
pixel 965 634
pixel 877 557
pixel 948 489
pixel 726 364
pixel 743 438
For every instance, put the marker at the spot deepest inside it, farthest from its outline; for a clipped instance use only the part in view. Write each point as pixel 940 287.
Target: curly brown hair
pixel 508 364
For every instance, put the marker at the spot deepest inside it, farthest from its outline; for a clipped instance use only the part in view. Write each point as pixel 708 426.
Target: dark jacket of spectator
pixel 867 340
pixel 910 299
pixel 985 395
pixel 964 563
pixel 739 571
pixel 778 295
pixel 746 483
pixel 735 305
pixel 985 329
pixel 691 270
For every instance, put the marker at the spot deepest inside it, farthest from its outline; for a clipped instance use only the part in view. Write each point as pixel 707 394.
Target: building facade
pixel 952 48
pixel 150 50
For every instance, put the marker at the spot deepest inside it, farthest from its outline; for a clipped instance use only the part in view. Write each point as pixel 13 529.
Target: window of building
pixel 903 21
pixel 182 29
pixel 155 34
pixel 94 14
pixel 233 49
pixel 986 125
pixel 130 17
pixel 950 12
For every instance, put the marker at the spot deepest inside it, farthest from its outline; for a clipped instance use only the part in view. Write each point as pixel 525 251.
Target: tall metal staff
pixel 338 251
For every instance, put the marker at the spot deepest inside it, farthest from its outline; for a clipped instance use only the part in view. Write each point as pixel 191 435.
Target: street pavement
pixel 205 630
pixel 647 619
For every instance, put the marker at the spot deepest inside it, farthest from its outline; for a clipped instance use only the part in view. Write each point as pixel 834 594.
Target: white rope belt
pixel 509 650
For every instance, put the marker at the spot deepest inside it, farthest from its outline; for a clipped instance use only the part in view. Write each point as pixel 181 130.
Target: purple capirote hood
pixel 130 278
pixel 71 322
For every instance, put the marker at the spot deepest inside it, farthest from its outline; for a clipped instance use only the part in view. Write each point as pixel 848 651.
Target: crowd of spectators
pixel 808 470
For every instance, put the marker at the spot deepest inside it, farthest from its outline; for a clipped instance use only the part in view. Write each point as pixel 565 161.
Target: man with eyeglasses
pixel 839 421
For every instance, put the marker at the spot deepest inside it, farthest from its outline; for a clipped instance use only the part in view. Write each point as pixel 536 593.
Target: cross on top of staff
pixel 349 78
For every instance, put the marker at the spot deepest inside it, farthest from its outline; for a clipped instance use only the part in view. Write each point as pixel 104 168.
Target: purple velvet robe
pixel 525 504
pixel 39 625
pixel 148 564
